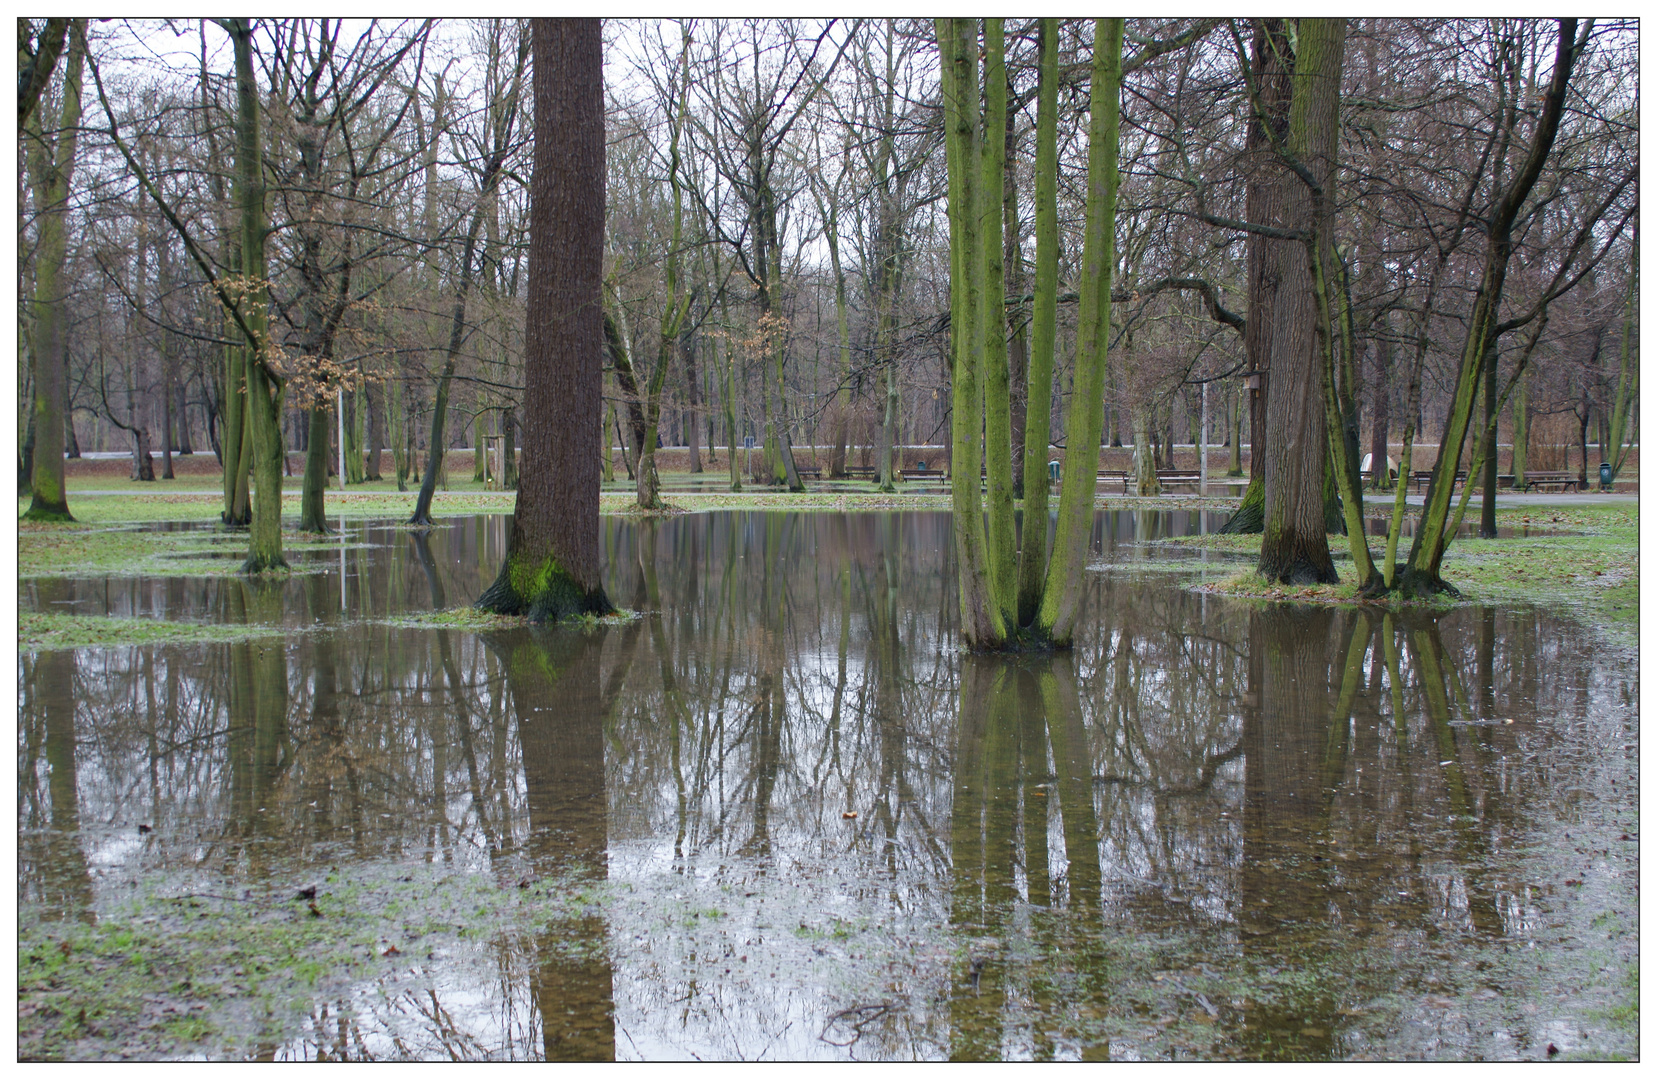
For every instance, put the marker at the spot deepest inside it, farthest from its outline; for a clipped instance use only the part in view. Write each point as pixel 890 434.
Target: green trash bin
pixel 1053 471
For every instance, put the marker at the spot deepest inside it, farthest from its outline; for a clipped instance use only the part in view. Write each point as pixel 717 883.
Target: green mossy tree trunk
pixel 313 503
pixel 982 624
pixel 998 453
pixel 1628 378
pixel 264 390
pixel 1421 573
pixel 54 169
pixel 1084 426
pixel 1032 566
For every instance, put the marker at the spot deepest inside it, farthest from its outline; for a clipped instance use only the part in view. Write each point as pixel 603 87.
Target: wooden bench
pixel 1557 480
pixel 1121 475
pixel 860 472
pixel 1422 478
pixel 1179 476
pixel 923 474
pixel 808 474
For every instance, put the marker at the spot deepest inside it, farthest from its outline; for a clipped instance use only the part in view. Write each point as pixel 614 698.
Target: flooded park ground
pixel 782 815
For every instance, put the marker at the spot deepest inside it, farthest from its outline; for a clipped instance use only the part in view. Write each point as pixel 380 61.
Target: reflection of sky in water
pixel 1198 781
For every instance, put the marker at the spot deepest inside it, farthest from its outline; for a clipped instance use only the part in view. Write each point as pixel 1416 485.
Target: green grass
pixel 1583 559
pixel 59 630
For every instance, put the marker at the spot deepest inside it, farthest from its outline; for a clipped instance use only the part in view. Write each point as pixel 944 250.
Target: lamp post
pixel 339 414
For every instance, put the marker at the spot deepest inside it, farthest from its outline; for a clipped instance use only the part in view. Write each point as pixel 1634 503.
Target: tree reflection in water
pixel 782 816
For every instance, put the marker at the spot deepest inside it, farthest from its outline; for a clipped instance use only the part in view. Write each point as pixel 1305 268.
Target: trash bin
pixel 920 466
pixel 1053 471
pixel 1605 476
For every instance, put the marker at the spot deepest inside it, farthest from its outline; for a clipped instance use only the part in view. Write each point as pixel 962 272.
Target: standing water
pixel 782 816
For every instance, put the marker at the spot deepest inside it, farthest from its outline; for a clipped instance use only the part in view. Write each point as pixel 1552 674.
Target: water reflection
pixel 784 817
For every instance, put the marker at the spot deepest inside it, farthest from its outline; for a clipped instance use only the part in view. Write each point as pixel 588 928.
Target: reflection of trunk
pixel 553 678
pixel 1078 819
pixel 982 885
pixel 1286 732
pixel 65 880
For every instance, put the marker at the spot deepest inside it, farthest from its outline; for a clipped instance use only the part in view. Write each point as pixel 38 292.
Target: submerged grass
pixel 59 630
pixel 192 968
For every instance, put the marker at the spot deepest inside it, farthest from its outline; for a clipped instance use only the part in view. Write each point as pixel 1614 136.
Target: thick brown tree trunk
pixel 553 565
pixel 1294 548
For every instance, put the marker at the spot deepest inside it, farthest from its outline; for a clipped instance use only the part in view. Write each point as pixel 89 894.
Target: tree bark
pixel 998 453
pixel 1037 413
pixel 264 391
pixel 1421 574
pixel 1271 63
pixel 553 564
pixel 1294 547
pixel 1062 592
pixel 313 503
pixel 48 496
pixel 982 625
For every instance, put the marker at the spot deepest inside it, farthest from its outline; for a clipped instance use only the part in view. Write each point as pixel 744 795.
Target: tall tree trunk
pixel 1032 567
pixel 1062 593
pixel 1421 574
pixel 1487 504
pixel 1628 377
pixel 48 496
pixel 440 405
pixel 1018 345
pixel 264 391
pixel 1521 428
pixel 1294 547
pixel 553 563
pixel 998 454
pixel 313 503
pixel 1271 63
pixel 693 413
pixel 1380 415
pixel 374 402
pixel 982 624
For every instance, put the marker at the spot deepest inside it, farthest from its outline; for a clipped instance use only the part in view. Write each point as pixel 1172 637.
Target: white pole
pixel 339 412
pixel 1202 446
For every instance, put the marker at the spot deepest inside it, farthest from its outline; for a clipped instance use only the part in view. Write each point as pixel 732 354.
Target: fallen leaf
pixel 849 814
pixel 391 950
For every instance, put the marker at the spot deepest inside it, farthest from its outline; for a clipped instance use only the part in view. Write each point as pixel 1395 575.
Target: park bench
pixel 1421 478
pixel 923 474
pixel 1114 475
pixel 860 472
pixel 1178 476
pixel 1555 480
pixel 809 474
